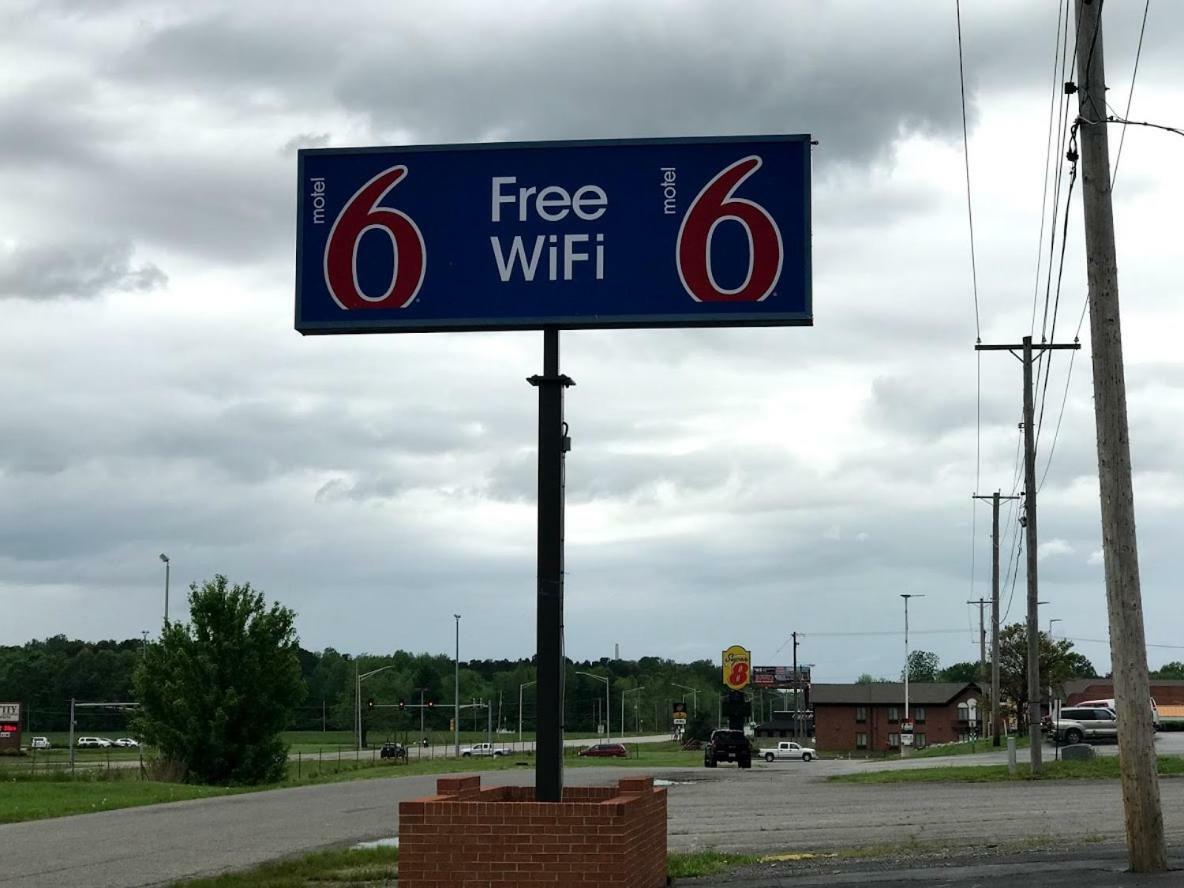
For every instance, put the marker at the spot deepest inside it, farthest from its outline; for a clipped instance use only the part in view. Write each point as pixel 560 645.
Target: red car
pixel 606 750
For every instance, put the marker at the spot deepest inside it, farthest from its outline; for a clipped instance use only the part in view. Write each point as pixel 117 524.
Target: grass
pixel 40 798
pixel 969 747
pixel 705 863
pixel 1101 768
pixel 354 867
pixel 29 795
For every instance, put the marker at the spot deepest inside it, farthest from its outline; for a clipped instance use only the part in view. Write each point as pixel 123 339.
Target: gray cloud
pixel 74 271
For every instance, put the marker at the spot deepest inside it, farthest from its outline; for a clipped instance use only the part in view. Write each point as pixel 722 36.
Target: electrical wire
pixel 966 159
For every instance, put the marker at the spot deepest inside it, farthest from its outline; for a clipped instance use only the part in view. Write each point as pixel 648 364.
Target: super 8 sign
pixel 653 233
pixel 737 667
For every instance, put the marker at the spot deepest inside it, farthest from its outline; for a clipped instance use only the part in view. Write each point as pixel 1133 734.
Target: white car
pixel 40 743
pixel 93 742
pixel 786 750
pixel 126 743
pixel 484 749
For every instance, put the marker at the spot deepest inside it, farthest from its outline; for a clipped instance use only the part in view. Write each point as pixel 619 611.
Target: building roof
pixel 922 693
pixel 1080 685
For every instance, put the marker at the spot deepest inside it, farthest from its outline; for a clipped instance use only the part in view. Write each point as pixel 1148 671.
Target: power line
pixel 966 159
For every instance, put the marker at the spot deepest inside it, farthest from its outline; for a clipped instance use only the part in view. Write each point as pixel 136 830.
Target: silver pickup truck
pixel 1084 724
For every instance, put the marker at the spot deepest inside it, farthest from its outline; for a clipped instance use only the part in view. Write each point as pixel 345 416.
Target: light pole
pixel 358 679
pixel 623 693
pixel 608 721
pixel 1050 622
pixel 165 559
pixel 906 596
pixel 694 693
pixel 520 687
pixel 456 690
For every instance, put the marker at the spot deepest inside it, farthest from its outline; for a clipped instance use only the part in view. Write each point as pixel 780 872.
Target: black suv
pixel 727 746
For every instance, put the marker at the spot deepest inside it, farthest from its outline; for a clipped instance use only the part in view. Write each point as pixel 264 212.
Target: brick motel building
pixel 867 716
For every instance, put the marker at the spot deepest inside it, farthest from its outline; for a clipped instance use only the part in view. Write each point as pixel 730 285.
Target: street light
pixel 695 695
pixel 623 693
pixel 358 679
pixel 906 596
pixel 456 690
pixel 608 721
pixel 520 687
pixel 1050 622
pixel 165 559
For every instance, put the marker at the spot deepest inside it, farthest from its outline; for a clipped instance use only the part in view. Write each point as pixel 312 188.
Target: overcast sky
pixel 725 486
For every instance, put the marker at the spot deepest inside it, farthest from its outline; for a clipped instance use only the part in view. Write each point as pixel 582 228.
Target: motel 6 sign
pixel 737 667
pixel 645 233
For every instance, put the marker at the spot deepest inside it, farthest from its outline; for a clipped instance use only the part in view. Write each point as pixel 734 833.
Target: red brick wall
pixel 835 726
pixel 469 837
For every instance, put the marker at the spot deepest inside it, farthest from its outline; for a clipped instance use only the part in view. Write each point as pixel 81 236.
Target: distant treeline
pixel 45 675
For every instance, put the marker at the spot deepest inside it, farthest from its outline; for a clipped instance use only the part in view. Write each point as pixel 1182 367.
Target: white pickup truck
pixel 786 750
pixel 484 749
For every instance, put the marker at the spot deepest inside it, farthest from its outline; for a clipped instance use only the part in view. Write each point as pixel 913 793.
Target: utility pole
pixel 1026 349
pixel 794 635
pixel 1146 847
pixel 906 596
pixel 982 639
pixel 995 499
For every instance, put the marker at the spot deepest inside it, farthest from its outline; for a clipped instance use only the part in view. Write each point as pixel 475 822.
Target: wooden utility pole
pixel 995 498
pixel 1146 847
pixel 1025 355
pixel 982 639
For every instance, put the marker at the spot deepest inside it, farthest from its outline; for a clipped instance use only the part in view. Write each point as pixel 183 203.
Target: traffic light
pixel 402 705
pixel 370 703
pixel 452 724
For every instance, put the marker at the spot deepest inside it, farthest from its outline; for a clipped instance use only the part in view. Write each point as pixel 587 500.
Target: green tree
pixel 216 693
pixel 1173 671
pixel 960 672
pixel 868 679
pixel 923 666
pixel 1058 663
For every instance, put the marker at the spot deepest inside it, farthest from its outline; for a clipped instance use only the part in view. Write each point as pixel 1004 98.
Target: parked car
pixel 93 742
pixel 787 749
pixel 1110 704
pixel 727 746
pixel 484 749
pixel 126 743
pixel 40 743
pixel 606 750
pixel 392 750
pixel 1079 724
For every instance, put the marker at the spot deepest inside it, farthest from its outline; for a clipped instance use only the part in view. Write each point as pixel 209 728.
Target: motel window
pixel 893 741
pixel 860 713
pixel 919 741
pixel 861 741
pixel 893 713
pixel 919 713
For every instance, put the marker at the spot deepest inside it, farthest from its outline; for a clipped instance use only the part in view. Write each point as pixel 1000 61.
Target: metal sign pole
pixel 553 443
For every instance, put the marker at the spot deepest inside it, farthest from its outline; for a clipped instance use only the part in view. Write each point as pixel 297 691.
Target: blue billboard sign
pixel 522 236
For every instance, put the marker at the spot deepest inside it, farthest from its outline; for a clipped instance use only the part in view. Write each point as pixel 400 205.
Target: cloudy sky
pixel 725 486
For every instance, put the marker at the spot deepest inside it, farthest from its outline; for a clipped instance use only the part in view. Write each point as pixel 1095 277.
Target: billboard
pixel 10 726
pixel 780 677
pixel 522 236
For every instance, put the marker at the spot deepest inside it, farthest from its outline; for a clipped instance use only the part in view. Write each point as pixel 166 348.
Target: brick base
pixel 469 837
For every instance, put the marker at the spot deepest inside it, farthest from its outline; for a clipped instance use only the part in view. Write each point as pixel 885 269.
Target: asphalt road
pixel 780 807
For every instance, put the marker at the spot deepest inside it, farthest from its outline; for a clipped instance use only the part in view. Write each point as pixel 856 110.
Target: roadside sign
pixel 10 726
pixel 906 739
pixel 780 677
pixel 906 727
pixel 523 236
pixel 737 667
pixel 679 713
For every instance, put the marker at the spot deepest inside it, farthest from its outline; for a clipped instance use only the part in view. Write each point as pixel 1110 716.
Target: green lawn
pixel 27 795
pixel 36 799
pixel 1101 768
pixel 969 747
pixel 355 867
